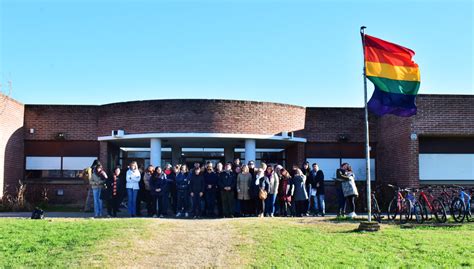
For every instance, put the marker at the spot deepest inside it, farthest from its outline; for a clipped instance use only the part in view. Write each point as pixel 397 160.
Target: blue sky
pixel 299 52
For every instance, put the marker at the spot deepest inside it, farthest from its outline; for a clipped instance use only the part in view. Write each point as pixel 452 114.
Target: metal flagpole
pixel 367 147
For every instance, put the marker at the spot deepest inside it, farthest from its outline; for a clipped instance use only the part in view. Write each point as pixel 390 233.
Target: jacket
pixel 286 189
pixel 300 193
pixel 133 178
pixel 340 177
pixel 263 183
pixel 211 178
pixel 146 180
pixel 243 186
pixel 109 187
pixel 97 180
pixel 349 187
pixel 227 179
pixel 182 182
pixel 274 180
pixel 158 182
pixel 317 178
pixel 196 184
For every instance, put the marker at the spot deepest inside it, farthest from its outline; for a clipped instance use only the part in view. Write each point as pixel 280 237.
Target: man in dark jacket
pixel 211 188
pixel 317 183
pixel 227 182
pixel 159 191
pixel 340 177
pixel 196 190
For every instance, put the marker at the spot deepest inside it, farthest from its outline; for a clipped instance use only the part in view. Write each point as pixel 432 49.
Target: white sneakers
pixel 352 215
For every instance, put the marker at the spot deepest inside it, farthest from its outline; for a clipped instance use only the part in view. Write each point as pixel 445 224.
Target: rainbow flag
pixel 395 75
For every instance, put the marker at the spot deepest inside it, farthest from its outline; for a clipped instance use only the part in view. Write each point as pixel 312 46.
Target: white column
pixel 250 150
pixel 155 152
pixel 175 154
pixel 229 153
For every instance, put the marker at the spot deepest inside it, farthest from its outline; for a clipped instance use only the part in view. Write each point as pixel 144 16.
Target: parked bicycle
pixel 462 205
pixel 431 206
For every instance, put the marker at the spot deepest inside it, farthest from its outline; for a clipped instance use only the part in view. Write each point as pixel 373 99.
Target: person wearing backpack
pixel 97 182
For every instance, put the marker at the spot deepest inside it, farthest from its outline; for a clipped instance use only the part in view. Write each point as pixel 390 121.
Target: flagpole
pixel 367 147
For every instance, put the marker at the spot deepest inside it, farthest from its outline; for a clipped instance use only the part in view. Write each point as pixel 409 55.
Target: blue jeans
pixel 319 204
pixel 341 200
pixel 270 203
pixel 132 201
pixel 97 203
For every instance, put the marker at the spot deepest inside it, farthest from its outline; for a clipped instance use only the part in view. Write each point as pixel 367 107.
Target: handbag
pixel 262 194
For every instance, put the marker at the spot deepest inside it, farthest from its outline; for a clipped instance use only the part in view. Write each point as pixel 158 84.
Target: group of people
pixel 224 190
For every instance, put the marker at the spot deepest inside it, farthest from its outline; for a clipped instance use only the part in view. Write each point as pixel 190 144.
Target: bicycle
pixel 399 205
pixel 416 208
pixel 462 206
pixel 376 212
pixel 431 206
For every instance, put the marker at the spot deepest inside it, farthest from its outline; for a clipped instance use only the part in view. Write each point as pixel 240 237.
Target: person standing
pixel 219 170
pixel 263 184
pixel 211 188
pixel 97 182
pixel 307 171
pixel 182 188
pixel 341 177
pixel 274 180
pixel 113 187
pixel 300 195
pixel 171 179
pixel 349 189
pixel 133 178
pixel 159 192
pixel 285 193
pixel 243 190
pixel 227 181
pixel 320 205
pixel 147 191
pixel 196 191
pixel 254 200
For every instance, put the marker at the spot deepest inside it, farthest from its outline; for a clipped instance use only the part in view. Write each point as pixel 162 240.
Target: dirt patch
pixel 178 243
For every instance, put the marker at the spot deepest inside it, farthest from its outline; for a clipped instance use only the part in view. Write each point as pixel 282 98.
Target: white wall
pixel 446 166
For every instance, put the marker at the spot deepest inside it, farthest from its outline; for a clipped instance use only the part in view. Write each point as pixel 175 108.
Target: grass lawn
pixel 60 242
pixel 249 242
pixel 309 243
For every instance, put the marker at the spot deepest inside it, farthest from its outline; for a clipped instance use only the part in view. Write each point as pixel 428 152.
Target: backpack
pixel 87 174
pixel 37 214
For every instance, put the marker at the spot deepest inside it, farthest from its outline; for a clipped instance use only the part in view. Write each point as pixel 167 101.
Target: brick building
pixel 49 145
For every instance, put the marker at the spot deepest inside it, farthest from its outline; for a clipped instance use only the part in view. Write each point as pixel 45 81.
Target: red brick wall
pixel 200 116
pixel 11 144
pixel 325 124
pixel 438 115
pixel 76 122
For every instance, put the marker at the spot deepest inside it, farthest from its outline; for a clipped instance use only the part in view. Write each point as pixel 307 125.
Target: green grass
pixel 262 243
pixel 59 242
pixel 284 243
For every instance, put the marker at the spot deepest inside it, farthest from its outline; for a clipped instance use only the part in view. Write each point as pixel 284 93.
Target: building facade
pixel 48 146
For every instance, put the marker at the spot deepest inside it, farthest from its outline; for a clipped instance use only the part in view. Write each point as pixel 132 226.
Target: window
pixel 444 166
pixel 56 167
pixel 330 165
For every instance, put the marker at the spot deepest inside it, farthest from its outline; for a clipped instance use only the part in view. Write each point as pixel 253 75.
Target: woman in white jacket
pixel 133 178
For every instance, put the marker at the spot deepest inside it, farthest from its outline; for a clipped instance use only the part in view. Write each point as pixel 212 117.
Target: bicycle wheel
pixel 392 210
pixel 426 216
pixel 439 211
pixel 406 207
pixel 458 210
pixel 418 212
pixel 470 211
pixel 376 210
